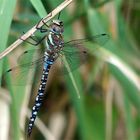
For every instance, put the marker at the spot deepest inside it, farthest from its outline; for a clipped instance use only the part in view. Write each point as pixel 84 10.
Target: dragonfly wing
pixel 100 39
pixel 29 56
pixel 72 60
pixel 75 54
pixel 27 66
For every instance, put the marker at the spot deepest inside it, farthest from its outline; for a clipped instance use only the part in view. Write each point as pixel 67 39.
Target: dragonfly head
pixel 57 27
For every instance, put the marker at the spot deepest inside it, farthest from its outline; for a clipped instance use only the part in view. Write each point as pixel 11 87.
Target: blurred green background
pixel 108 83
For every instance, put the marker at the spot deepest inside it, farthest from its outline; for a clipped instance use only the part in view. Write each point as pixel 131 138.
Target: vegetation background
pixel 108 83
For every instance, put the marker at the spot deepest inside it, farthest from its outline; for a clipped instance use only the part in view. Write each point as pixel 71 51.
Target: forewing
pixel 75 53
pixel 29 56
pixel 100 39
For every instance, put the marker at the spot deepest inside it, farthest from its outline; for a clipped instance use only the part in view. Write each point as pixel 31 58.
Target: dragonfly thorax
pixel 54 40
pixel 56 27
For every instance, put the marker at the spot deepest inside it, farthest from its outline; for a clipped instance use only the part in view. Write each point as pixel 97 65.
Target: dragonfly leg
pixel 42 30
pixel 36 41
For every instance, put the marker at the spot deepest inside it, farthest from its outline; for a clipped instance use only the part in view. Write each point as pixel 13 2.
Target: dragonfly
pixel 55 47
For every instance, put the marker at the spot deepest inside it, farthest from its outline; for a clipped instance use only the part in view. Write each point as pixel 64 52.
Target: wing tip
pixel 9 70
pixel 104 34
pixel 25 52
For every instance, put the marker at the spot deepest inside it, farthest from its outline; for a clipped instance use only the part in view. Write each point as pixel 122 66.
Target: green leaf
pixel 37 4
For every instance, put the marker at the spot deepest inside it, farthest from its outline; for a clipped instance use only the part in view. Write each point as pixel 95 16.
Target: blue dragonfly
pixel 55 47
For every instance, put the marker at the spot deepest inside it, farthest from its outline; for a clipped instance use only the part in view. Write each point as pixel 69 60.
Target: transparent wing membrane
pixel 73 53
pixel 19 74
pixel 100 39
pixel 29 56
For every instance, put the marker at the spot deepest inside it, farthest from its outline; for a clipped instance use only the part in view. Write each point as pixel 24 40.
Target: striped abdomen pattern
pixel 40 95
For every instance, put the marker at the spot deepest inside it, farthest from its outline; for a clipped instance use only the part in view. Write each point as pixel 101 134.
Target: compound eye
pixel 61 23
pixel 54 29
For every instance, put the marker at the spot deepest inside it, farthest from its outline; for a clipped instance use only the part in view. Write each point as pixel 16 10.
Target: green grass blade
pixel 129 123
pixel 6 14
pixel 37 4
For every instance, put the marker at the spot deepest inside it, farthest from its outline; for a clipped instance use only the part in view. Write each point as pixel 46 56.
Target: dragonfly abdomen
pixel 40 95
